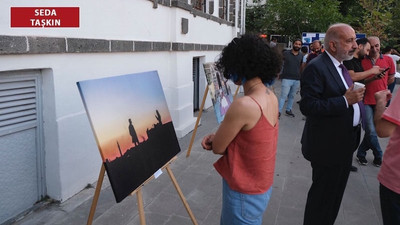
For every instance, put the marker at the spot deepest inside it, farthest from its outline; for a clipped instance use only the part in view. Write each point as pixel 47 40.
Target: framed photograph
pixel 132 126
pixel 219 90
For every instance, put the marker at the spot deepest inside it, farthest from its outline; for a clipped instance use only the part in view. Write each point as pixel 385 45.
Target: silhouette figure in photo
pixel 132 132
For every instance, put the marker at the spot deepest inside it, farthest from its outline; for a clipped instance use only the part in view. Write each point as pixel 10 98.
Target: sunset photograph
pixel 132 127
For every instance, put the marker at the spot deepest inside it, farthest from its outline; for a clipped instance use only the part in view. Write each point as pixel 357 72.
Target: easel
pixel 138 193
pixel 199 116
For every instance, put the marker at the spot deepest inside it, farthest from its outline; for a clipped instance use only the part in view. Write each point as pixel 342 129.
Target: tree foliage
pixel 256 19
pixel 352 12
pixel 394 26
pixel 377 17
pixel 292 17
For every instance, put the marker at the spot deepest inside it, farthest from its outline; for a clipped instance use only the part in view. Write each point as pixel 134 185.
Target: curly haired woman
pixel 247 137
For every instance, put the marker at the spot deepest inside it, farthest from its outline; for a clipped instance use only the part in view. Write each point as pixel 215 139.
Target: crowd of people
pixel 335 113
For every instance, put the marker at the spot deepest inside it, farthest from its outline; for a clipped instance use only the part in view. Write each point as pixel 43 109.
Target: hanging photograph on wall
pixel 219 90
pixel 132 125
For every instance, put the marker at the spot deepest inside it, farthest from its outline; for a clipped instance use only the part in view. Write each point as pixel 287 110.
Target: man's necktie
pixel 349 82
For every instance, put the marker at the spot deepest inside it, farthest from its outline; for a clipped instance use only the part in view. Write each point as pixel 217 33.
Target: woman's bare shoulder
pixel 244 107
pixel 243 102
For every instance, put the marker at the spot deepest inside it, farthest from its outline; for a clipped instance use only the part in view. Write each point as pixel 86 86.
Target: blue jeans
pixel 288 90
pixel 240 209
pixel 370 140
pixel 390 205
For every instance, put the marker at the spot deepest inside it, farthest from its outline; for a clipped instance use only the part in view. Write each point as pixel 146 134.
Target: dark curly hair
pixel 249 56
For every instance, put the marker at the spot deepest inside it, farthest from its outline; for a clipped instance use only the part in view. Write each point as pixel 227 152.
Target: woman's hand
pixel 207 142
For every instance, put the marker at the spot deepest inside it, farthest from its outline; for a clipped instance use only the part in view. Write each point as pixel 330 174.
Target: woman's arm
pixel 357 76
pixel 383 127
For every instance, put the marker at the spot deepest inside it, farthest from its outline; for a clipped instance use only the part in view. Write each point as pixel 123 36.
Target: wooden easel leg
pixel 236 92
pixel 178 189
pixel 197 122
pixel 140 206
pixel 96 195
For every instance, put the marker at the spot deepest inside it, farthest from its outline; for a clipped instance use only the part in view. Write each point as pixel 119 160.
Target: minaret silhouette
pixel 119 148
pixel 158 117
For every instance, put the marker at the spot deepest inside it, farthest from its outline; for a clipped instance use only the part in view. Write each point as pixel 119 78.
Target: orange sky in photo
pixel 112 101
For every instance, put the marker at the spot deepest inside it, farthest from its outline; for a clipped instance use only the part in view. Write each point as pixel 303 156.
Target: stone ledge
pixel 46 45
pixel 122 46
pixel 161 46
pixel 54 45
pixel 142 46
pixel 77 45
pixel 13 45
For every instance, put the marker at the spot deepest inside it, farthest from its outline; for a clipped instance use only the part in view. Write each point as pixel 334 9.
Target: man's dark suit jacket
pixel 329 137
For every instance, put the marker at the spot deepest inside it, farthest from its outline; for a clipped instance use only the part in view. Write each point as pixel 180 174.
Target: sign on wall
pixel 41 17
pixel 132 126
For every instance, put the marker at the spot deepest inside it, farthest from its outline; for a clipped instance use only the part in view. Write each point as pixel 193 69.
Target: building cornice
pixel 54 45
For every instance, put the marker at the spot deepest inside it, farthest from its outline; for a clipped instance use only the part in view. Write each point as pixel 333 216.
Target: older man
pixel 332 129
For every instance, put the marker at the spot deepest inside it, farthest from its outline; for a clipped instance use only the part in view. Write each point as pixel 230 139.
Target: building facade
pixel 47 147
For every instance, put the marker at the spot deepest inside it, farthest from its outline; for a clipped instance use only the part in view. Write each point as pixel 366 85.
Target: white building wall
pixel 69 143
pixel 121 20
pixel 71 155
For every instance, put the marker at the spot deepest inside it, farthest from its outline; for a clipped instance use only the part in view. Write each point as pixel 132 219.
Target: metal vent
pixel 17 105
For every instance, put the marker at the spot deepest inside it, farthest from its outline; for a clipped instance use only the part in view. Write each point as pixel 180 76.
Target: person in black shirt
pixel 290 77
pixel 354 67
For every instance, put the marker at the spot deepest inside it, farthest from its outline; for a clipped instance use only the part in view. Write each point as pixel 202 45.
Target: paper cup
pixel 358 85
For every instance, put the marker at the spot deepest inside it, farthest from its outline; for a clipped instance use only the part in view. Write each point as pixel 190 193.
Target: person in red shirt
pixel 387 122
pixel 370 140
pixel 317 47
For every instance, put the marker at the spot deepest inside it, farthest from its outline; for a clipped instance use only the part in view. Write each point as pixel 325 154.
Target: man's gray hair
pixel 374 37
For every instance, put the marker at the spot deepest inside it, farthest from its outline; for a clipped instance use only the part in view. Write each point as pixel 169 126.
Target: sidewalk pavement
pixel 201 186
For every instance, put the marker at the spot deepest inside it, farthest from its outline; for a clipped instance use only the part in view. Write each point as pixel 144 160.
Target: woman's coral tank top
pixel 249 162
